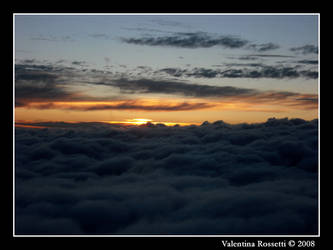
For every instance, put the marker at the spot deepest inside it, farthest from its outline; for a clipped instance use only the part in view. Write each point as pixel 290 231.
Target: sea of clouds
pixel 217 178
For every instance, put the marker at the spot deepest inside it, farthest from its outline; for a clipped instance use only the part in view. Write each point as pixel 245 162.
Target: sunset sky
pixel 165 68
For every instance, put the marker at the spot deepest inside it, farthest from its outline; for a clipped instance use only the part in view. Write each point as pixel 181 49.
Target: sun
pixel 143 121
pixel 138 121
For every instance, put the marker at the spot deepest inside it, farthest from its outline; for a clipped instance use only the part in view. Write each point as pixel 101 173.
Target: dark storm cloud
pixel 174 87
pixel 217 178
pixel 189 40
pixel 306 49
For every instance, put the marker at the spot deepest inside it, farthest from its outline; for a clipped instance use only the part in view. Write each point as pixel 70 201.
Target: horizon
pixel 141 122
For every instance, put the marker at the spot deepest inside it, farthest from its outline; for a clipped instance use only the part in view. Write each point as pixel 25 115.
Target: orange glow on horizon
pixel 128 122
pixel 141 121
pixel 167 111
pixel 28 126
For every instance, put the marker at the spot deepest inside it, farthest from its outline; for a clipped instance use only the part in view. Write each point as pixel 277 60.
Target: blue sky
pixel 103 42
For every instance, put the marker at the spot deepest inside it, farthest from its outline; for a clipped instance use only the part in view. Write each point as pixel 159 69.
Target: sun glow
pixel 143 121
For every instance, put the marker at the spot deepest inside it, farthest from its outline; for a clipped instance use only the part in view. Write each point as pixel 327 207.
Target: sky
pixel 165 68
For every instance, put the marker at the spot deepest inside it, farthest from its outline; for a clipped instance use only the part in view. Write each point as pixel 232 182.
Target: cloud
pixel 99 36
pixel 217 178
pixel 53 86
pixel 306 49
pixel 38 82
pixel 51 38
pixel 121 105
pixel 263 47
pixel 248 71
pixel 171 23
pixel 175 87
pixel 79 63
pixel 199 40
pixel 308 62
pixel 254 56
pixel 189 40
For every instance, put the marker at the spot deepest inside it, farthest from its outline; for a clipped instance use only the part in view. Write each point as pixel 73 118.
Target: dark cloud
pixel 246 58
pixel 124 105
pixel 38 82
pixel 308 62
pixel 242 65
pixel 28 61
pixel 47 86
pixel 263 47
pixel 189 40
pixel 217 178
pixel 175 87
pixel 200 40
pixel 79 63
pixel 306 49
pixel 243 71
pixel 265 55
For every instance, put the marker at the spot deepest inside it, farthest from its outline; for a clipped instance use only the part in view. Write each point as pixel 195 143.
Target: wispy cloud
pixel 263 47
pixel 142 105
pixel 99 36
pixel 51 38
pixel 254 70
pixel 308 61
pixel 175 87
pixel 254 56
pixel 306 49
pixel 79 63
pixel 200 40
pixel 189 40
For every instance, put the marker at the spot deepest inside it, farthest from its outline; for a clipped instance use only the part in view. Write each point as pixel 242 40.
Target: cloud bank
pixel 57 87
pixel 217 178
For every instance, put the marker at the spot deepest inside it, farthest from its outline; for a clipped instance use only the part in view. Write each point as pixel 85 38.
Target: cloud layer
pixel 53 86
pixel 217 178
